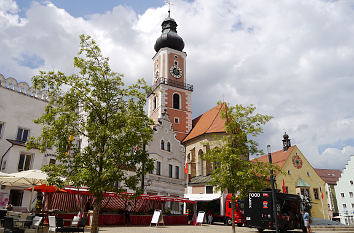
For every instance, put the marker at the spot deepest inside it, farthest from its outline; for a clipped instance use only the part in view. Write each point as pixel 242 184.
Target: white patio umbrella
pixel 2 174
pixel 25 178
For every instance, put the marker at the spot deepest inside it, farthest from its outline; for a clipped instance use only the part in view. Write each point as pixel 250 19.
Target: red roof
pixel 330 176
pixel 279 157
pixel 208 122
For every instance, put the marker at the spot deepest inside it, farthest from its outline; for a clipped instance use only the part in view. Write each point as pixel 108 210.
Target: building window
pixel 176 101
pixel 1 128
pixel 201 167
pixel 154 104
pixel 352 205
pixel 162 145
pixel 209 189
pixel 315 193
pixel 342 194
pixel 176 120
pixel 52 161
pixel 25 162
pixel 176 56
pixel 351 182
pixel 308 173
pixel 344 206
pixel 168 147
pixel 176 63
pixel 289 172
pixel 170 170
pixel 22 134
pixel 158 168
pixel 350 194
pixel 177 172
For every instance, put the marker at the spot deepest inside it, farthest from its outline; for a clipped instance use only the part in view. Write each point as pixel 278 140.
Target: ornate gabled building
pixel 299 176
pixel 345 193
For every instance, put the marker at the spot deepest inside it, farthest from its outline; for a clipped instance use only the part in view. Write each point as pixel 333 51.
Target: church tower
pixel 171 93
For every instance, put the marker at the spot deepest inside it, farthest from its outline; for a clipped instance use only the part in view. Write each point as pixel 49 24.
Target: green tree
pixel 234 171
pixel 106 120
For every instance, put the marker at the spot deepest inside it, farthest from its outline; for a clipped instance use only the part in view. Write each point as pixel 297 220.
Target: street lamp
pixel 274 200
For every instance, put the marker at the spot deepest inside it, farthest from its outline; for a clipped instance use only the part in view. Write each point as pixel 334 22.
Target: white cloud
pixel 292 59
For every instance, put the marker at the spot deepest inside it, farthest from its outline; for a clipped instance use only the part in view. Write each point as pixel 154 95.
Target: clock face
pixel 297 161
pixel 176 71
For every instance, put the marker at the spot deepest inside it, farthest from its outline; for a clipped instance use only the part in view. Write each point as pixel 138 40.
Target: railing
pixel 172 83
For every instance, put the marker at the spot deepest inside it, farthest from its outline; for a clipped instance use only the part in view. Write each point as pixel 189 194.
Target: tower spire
pixel 169 7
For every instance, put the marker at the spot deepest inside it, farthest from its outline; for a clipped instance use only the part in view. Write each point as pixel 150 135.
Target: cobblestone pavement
pixel 185 229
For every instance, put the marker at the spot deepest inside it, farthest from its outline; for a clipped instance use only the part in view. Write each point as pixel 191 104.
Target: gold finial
pixel 169 7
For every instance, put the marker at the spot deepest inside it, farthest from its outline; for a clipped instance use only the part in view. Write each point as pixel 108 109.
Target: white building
pixel 345 193
pixel 19 106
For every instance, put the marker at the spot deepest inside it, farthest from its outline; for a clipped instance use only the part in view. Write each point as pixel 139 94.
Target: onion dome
pixel 169 37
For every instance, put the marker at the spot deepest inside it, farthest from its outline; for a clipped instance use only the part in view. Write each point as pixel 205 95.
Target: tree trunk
pixel 233 212
pixel 96 213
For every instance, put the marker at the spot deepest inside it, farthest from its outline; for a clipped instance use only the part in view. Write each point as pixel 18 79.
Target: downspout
pixel 2 157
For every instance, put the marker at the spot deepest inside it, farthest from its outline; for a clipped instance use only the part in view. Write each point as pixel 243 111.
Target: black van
pixel 259 211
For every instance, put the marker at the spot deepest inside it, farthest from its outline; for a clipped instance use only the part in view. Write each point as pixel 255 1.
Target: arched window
pixel 176 101
pixel 154 103
pixel 168 146
pixel 162 145
pixel 200 154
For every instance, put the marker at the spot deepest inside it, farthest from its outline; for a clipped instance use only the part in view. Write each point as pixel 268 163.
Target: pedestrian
pixel 210 217
pixel 306 217
pixel 9 206
pixel 128 208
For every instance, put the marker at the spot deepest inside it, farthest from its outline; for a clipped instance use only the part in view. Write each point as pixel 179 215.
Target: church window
pixel 158 168
pixel 176 63
pixel 176 101
pixel 200 154
pixel 162 145
pixel 154 103
pixel 170 170
pixel 176 120
pixel 168 147
pixel 176 56
pixel 177 172
pixel 22 134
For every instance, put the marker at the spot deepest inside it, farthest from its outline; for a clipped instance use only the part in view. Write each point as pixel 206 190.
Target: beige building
pixel 299 177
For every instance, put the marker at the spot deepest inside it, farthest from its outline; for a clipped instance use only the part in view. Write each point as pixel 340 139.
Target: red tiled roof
pixel 279 157
pixel 208 122
pixel 330 176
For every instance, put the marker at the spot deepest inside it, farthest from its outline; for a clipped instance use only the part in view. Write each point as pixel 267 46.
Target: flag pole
pixel 322 201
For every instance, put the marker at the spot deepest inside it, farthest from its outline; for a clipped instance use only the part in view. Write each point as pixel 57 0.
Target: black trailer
pixel 259 211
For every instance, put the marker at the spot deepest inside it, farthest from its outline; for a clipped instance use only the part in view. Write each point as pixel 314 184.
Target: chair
pixel 29 221
pixel 35 225
pixel 9 226
pixel 75 221
pixel 79 228
pixel 52 224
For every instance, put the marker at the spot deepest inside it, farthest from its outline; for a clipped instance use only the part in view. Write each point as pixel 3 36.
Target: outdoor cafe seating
pixel 17 222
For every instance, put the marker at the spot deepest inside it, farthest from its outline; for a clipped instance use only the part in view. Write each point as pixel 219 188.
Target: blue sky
pixel 291 59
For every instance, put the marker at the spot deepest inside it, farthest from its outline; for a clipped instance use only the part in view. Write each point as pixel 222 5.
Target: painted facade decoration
pixel 345 193
pixel 300 178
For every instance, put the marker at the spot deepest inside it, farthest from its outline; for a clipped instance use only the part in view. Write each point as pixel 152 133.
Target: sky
pixel 292 59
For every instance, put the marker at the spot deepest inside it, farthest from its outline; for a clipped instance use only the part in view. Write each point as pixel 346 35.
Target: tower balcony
pixel 172 83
